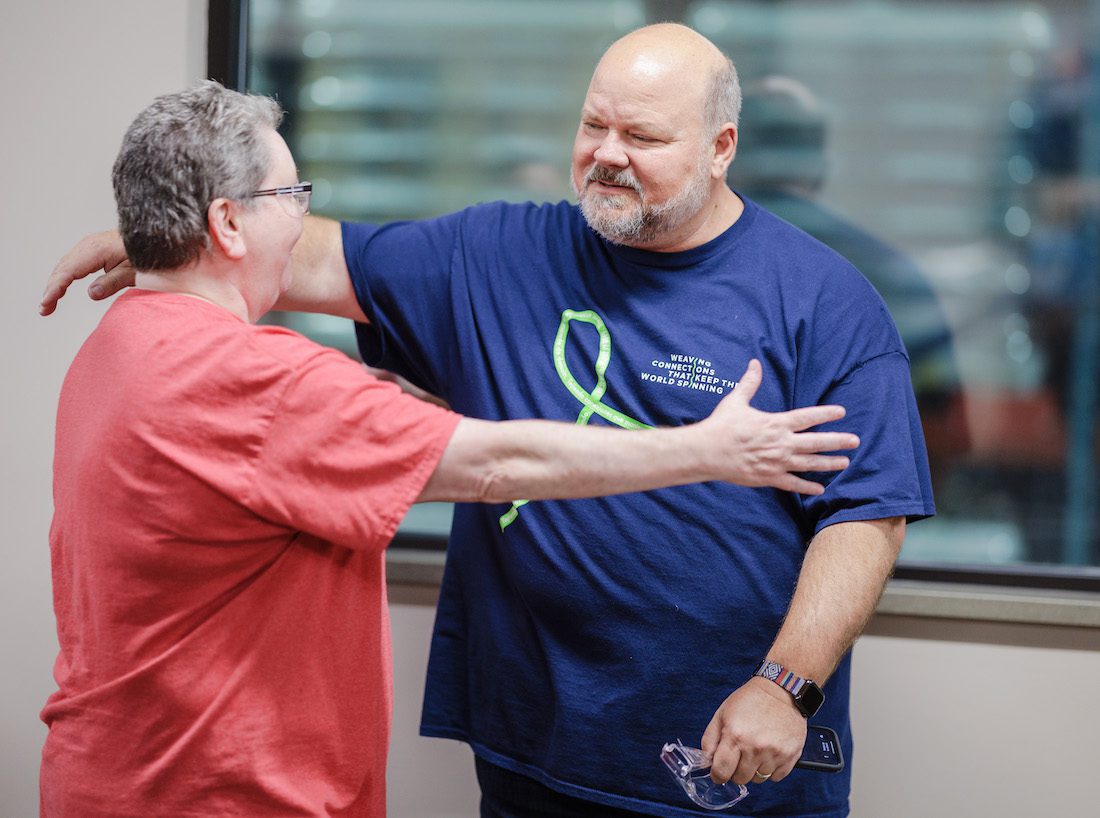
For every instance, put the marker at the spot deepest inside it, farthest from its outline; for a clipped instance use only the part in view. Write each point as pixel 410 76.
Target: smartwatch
pixel 806 695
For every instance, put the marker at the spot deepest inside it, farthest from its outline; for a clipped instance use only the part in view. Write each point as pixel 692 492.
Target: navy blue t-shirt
pixel 574 638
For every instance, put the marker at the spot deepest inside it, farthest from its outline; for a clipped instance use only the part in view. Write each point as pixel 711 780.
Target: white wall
pixel 974 719
pixel 74 75
pixel 427 777
pixel 952 720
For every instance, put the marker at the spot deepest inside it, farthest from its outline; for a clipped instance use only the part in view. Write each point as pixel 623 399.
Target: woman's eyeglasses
pixel 294 199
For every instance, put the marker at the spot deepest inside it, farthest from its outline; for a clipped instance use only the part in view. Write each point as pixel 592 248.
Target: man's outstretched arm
pixel 321 280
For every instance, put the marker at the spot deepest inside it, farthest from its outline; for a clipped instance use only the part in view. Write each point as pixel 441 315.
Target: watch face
pixel 810 698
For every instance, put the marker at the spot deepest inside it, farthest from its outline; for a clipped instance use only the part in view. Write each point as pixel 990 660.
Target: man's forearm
pixel 321 282
pixel 842 578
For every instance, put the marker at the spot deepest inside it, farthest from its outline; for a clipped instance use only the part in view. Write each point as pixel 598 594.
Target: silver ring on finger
pixel 762 776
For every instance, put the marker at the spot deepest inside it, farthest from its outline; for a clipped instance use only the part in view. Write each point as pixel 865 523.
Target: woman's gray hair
pixel 179 155
pixel 723 100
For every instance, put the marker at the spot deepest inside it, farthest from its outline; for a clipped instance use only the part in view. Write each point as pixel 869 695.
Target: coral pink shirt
pixel 223 494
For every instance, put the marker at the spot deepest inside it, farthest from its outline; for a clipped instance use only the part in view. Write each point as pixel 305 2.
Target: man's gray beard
pixel 643 224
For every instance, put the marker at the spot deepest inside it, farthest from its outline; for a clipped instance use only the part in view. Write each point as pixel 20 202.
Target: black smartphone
pixel 822 750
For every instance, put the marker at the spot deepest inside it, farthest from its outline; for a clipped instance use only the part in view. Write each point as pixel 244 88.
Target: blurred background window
pixel 950 150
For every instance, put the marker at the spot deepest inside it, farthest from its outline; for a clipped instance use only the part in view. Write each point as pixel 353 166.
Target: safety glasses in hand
pixel 691 768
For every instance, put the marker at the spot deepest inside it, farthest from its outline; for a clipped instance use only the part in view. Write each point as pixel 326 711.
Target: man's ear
pixel 223 219
pixel 725 146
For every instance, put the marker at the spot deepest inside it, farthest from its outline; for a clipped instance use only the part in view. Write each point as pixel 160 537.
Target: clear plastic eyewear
pixel 691 769
pixel 294 199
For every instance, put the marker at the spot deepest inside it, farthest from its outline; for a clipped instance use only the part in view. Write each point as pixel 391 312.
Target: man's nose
pixel 611 152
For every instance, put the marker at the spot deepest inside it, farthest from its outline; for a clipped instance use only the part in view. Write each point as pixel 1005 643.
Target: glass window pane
pixel 950 150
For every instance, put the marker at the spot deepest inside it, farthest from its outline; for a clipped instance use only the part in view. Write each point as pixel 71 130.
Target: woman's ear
pixel 223 218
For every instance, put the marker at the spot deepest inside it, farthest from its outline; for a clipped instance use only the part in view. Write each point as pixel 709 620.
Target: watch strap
pixel 786 679
pixel 806 695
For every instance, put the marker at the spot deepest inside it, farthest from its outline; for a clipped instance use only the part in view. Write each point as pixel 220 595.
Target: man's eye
pixel 645 140
pixel 594 127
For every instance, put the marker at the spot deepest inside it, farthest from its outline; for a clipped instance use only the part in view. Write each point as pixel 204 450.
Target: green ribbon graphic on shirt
pixel 591 402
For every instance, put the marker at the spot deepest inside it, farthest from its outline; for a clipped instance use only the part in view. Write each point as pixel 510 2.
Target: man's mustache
pixel 621 178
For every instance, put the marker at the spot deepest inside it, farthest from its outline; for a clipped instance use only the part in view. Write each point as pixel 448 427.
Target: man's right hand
pixel 99 251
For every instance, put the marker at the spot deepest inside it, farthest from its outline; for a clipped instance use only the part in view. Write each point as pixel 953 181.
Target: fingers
pixel 50 297
pixel 749 766
pixel 727 761
pixel 101 251
pixel 745 762
pixel 711 735
pixel 804 418
pixel 808 463
pixel 738 760
pixel 817 462
pixel 750 382
pixel 112 281
pixel 811 442
pixel 58 283
pixel 782 770
pixel 773 764
pixel 798 485
pixel 760 770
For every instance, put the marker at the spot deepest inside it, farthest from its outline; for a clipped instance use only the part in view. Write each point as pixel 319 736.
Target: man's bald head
pixel 674 55
pixel 657 133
